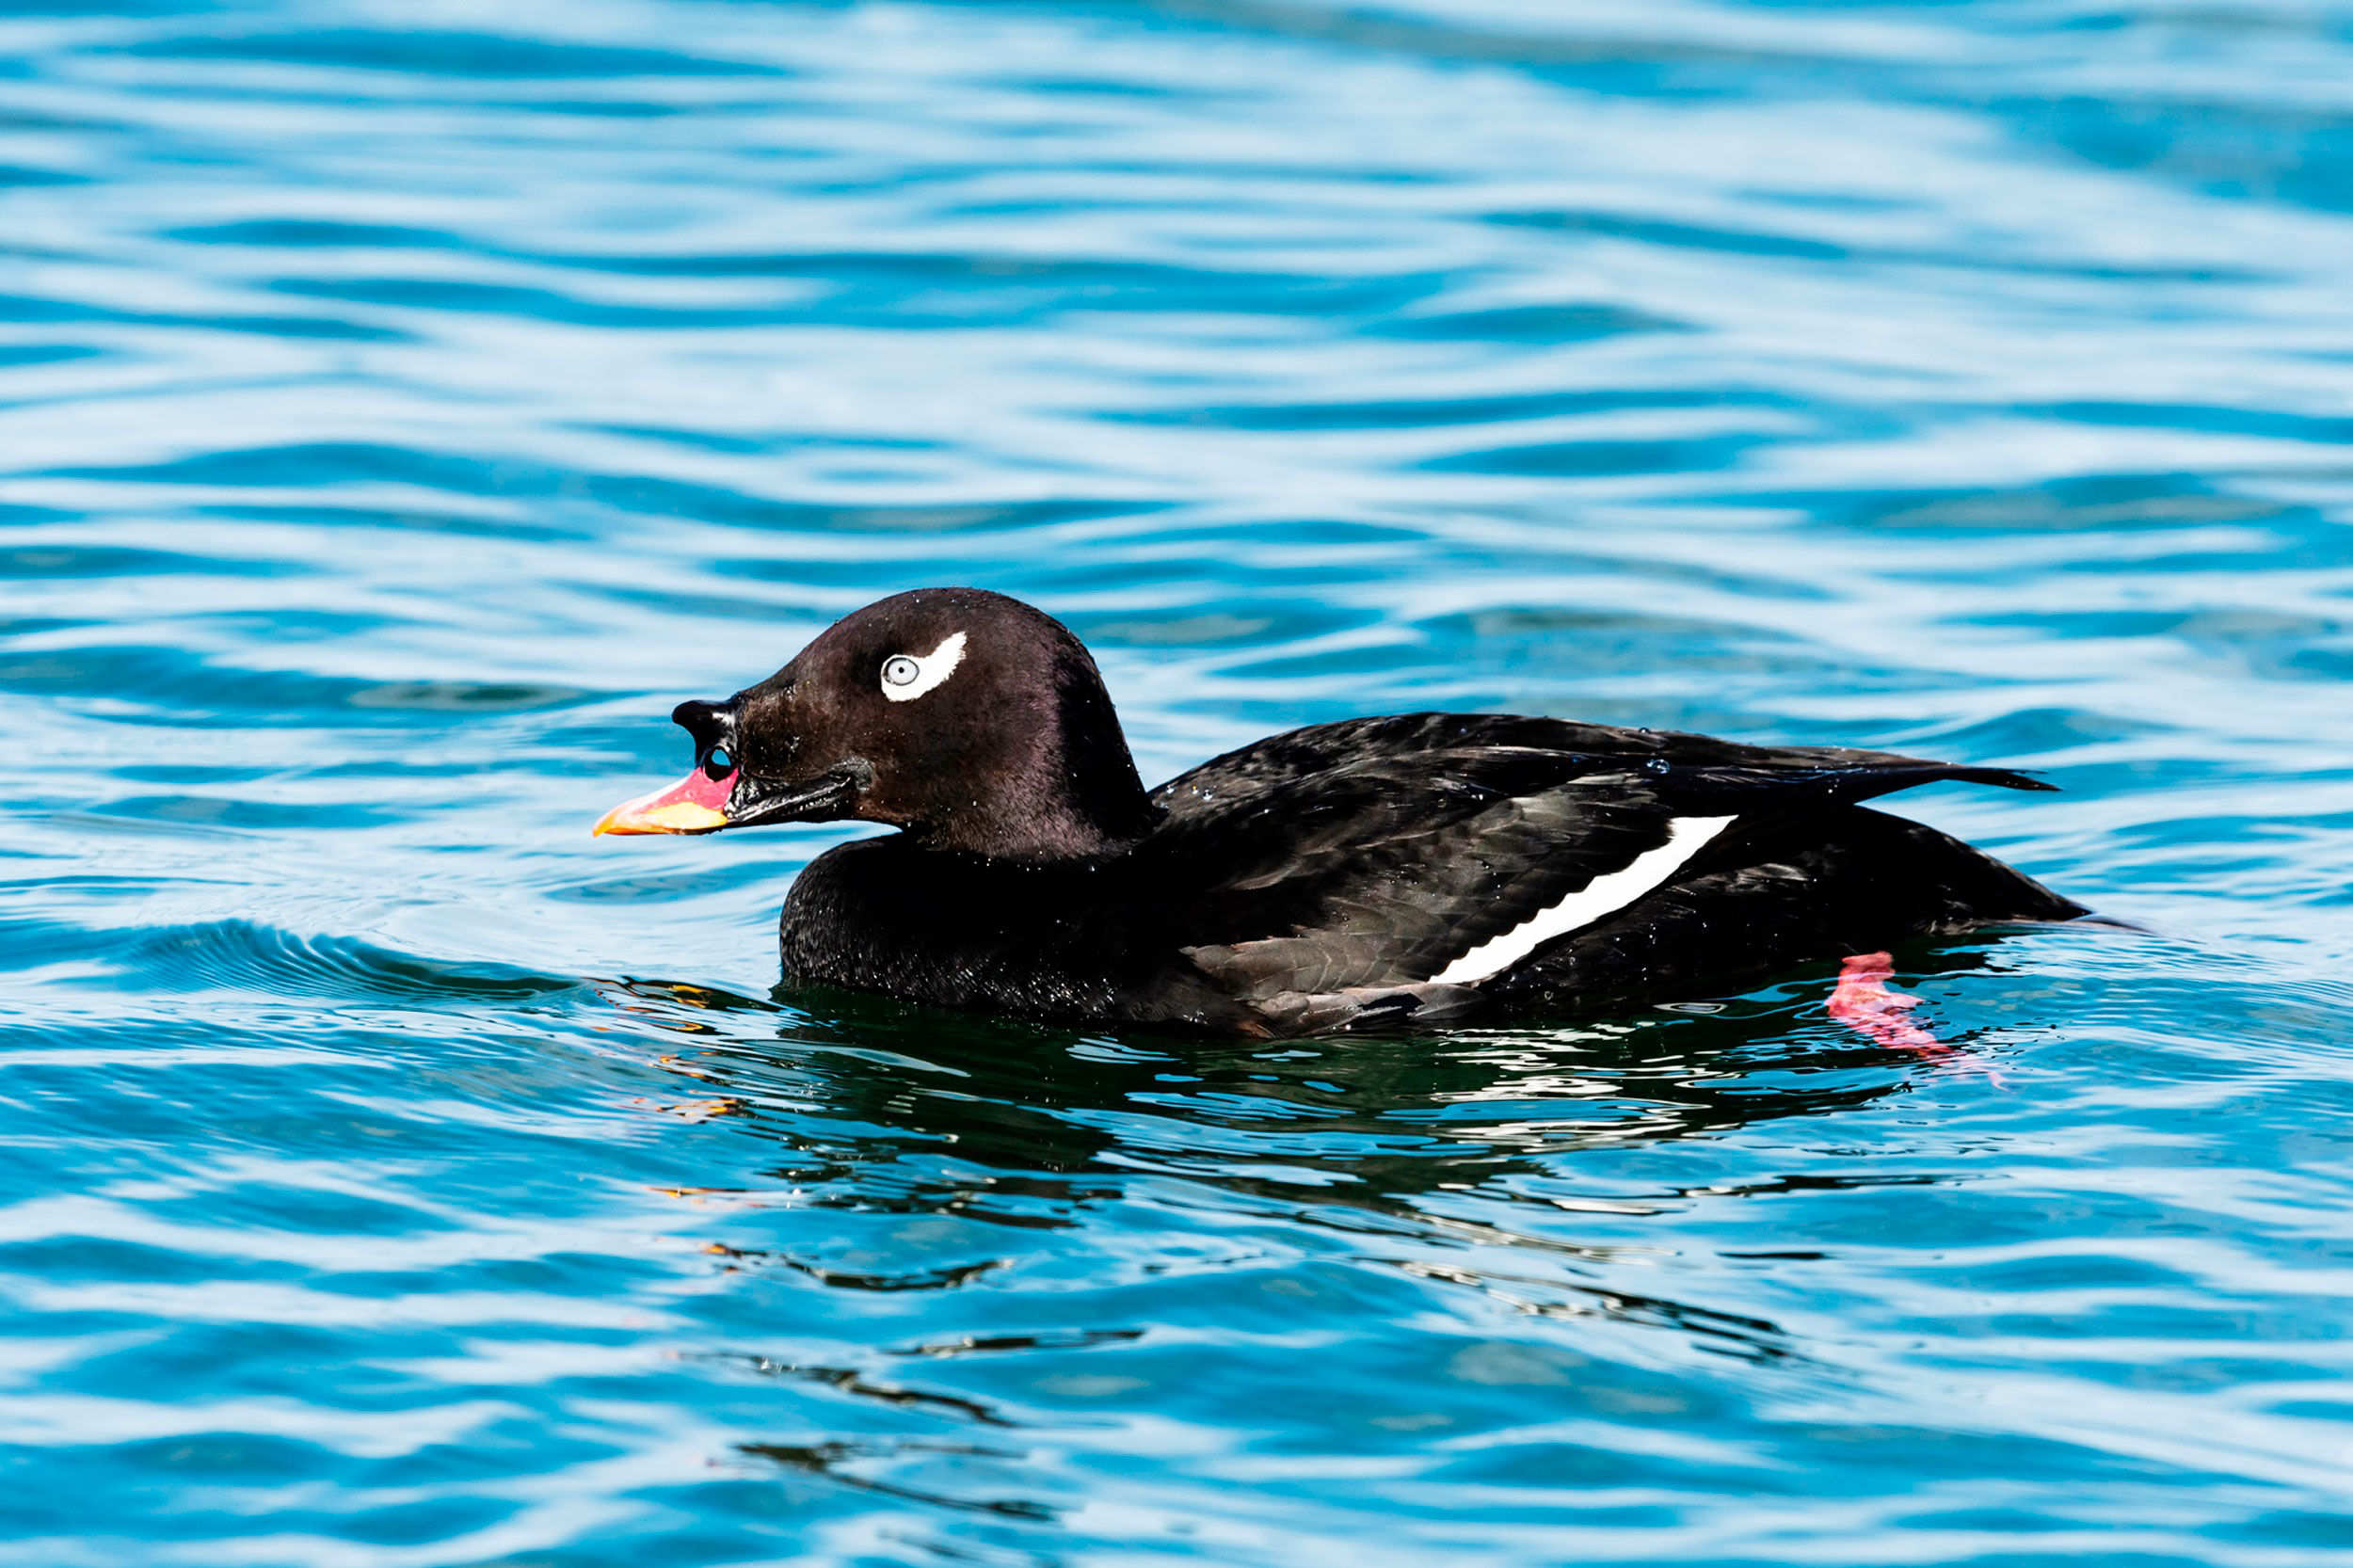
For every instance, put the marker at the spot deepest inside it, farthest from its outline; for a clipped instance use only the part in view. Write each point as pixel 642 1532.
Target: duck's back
pixel 1433 868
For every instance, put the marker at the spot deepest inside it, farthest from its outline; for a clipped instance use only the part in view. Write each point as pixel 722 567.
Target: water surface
pixel 402 408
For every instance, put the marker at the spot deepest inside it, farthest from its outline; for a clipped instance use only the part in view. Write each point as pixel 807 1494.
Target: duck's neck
pixel 1070 791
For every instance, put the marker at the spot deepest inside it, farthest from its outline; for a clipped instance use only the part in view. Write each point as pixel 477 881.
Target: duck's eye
pixel 719 763
pixel 908 676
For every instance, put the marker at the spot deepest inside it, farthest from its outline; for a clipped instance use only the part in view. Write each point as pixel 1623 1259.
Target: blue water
pixel 402 407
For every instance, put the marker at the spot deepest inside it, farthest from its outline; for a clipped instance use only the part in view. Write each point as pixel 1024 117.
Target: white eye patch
pixel 906 677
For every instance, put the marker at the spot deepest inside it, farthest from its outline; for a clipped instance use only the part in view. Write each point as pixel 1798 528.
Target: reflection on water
pixel 1411 1147
pixel 400 411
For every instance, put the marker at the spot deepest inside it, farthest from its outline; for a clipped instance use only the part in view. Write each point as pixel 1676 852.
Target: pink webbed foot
pixel 1863 1003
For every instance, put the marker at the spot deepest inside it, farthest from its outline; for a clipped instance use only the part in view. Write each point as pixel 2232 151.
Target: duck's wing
pixel 1434 851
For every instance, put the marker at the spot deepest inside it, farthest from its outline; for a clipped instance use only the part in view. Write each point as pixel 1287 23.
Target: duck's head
pixel 969 719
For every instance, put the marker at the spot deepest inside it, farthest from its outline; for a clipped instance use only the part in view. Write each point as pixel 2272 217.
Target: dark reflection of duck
pixel 1031 1127
pixel 1423 871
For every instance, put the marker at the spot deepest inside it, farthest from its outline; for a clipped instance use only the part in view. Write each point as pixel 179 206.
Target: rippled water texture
pixel 402 407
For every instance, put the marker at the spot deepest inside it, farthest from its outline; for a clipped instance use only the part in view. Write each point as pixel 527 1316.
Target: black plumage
pixel 1423 870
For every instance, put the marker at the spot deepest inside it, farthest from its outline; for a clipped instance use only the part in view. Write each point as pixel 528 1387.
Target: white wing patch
pixel 928 671
pixel 1603 896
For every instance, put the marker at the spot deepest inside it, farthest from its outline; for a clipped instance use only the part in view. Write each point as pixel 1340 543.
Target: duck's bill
pixel 701 803
pixel 695 803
